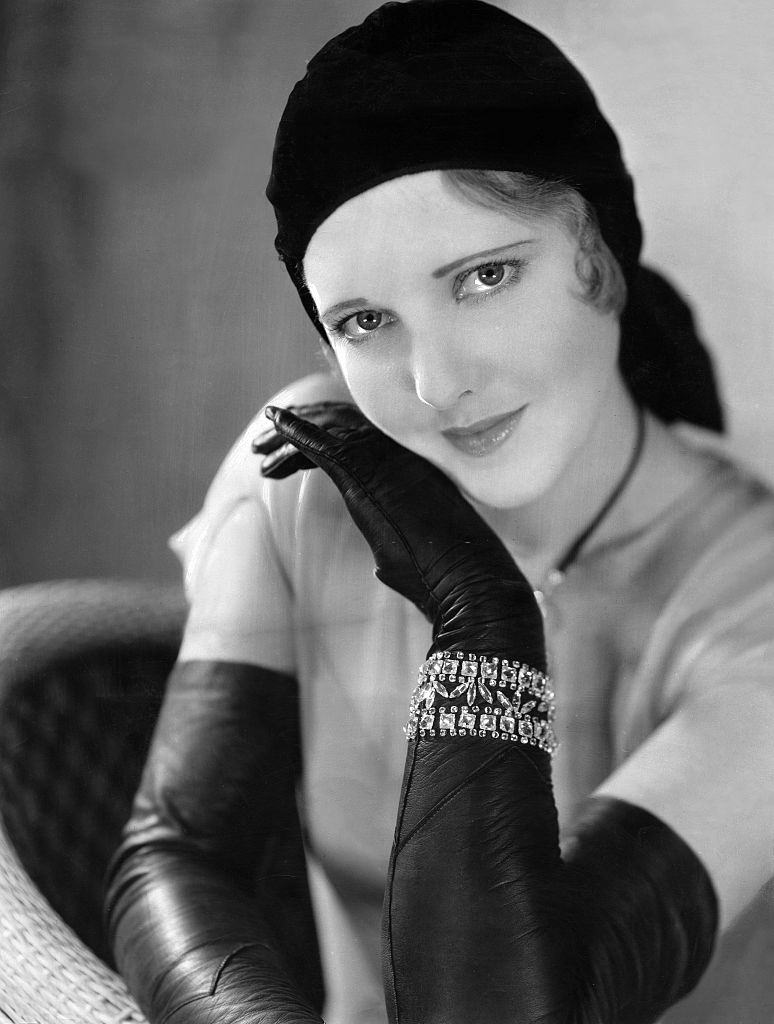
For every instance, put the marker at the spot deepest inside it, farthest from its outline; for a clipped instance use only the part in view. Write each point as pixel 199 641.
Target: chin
pixel 502 495
pixel 499 486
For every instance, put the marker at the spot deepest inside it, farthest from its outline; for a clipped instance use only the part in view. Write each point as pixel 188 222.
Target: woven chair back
pixel 83 667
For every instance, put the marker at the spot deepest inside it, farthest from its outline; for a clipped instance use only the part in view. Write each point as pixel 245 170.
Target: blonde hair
pixel 527 196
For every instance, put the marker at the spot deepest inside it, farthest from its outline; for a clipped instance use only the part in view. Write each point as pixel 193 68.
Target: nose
pixel 441 373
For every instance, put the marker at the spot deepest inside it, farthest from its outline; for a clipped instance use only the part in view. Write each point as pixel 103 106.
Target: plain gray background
pixel 144 315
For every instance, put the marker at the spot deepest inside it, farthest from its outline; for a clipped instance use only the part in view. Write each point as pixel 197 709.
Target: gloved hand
pixel 428 543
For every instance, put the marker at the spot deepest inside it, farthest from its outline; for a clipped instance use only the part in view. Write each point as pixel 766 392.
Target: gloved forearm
pixel 192 947
pixel 207 906
pixel 485 923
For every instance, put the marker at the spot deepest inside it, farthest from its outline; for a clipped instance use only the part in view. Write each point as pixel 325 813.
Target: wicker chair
pixel 82 672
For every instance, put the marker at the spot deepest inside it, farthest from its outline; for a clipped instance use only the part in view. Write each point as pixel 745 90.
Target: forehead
pixel 414 223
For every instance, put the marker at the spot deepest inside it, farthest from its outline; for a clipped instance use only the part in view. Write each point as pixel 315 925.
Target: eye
pixel 368 320
pixel 487 278
pixel 355 326
pixel 490 275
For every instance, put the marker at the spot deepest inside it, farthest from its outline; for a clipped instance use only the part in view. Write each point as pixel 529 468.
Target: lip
pixel 484 436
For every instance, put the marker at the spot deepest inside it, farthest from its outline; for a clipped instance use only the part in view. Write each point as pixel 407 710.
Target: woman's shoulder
pixel 271 505
pixel 697 562
pixel 726 523
pixel 730 493
pixel 719 544
pixel 239 476
pixel 690 508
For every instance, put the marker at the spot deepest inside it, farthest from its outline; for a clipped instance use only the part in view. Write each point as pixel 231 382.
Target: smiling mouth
pixel 484 436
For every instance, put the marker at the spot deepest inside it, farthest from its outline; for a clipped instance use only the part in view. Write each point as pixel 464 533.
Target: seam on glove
pixel 499 756
pixel 227 960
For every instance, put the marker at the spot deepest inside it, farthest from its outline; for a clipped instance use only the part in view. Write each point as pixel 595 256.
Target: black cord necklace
pixel 557 574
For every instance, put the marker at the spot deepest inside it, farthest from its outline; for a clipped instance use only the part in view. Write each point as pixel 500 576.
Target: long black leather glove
pixel 208 908
pixel 483 919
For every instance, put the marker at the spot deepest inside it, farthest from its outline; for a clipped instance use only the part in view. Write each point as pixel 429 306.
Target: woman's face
pixel 462 333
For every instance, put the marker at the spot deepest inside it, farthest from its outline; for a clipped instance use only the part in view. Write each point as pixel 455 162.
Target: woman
pixel 455 214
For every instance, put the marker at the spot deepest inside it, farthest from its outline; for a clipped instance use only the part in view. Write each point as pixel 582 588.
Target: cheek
pixel 374 388
pixel 571 348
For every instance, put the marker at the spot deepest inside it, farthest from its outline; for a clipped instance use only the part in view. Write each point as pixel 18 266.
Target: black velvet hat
pixel 429 85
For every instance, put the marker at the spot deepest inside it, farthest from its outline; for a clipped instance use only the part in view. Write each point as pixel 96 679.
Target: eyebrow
pixel 447 268
pixel 341 307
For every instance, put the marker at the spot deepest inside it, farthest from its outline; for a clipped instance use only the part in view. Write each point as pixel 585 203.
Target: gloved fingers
pixel 284 460
pixel 318 445
pixel 324 414
pixel 341 419
pixel 267 442
pixel 291 428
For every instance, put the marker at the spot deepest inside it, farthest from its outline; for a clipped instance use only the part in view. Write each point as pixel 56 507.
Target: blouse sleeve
pixel 708 768
pixel 241 606
pixel 237 553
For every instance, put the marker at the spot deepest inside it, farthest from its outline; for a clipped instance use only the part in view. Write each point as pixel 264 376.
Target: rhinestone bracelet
pixel 493 697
